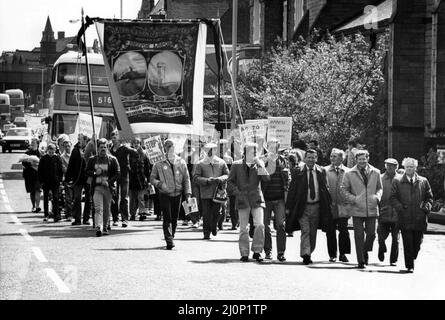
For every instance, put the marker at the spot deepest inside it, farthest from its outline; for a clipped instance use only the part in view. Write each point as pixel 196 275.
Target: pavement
pixel 47 261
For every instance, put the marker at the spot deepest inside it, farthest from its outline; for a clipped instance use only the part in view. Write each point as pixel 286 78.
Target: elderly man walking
pixel 209 173
pixel 387 223
pixel 244 183
pixel 412 198
pixel 338 219
pixel 308 203
pixel 172 179
pixel 362 187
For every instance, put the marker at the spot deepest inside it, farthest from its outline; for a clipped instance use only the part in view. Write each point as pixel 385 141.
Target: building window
pixel 298 12
pixel 256 21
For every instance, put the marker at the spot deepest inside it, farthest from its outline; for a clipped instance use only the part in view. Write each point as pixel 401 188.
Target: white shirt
pixel 317 191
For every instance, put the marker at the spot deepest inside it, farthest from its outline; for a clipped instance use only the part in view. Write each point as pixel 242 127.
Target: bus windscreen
pixel 69 73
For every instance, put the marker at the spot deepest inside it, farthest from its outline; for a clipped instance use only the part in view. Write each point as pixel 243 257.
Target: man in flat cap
pixel 387 221
pixel 210 173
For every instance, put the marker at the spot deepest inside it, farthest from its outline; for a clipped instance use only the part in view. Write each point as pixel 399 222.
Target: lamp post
pixel 41 97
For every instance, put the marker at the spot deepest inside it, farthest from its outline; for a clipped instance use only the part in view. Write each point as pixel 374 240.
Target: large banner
pixel 156 73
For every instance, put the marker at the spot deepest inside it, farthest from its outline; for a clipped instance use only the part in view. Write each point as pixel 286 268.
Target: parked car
pixel 20 122
pixel 17 139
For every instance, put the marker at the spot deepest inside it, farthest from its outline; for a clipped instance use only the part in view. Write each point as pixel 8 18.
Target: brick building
pixel 15 72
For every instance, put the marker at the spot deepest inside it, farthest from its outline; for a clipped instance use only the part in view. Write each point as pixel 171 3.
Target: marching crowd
pixel 298 188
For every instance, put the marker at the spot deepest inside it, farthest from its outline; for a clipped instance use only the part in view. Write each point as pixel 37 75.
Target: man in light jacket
pixel 362 187
pixel 338 219
pixel 244 183
pixel 209 173
pixel 172 179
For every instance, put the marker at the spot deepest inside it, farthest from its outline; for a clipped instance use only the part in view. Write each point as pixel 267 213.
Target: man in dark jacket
pixel 103 170
pixel 308 203
pixel 275 194
pixel 412 198
pixel 122 154
pixel 75 175
pixel 51 176
pixel 139 176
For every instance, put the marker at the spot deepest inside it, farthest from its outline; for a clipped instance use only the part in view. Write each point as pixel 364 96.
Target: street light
pixel 41 69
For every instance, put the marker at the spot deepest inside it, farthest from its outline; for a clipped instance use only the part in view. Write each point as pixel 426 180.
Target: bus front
pixel 69 95
pixel 5 111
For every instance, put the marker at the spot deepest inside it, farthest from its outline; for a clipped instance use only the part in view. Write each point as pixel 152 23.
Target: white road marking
pixel 8 208
pixel 56 279
pixel 3 192
pixel 15 219
pixel 39 255
pixel 26 235
pixel 5 199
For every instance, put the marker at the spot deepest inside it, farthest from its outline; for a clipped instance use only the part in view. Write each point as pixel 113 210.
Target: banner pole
pixel 90 93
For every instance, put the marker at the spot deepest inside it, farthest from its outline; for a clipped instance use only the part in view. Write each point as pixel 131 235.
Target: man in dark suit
pixel 308 203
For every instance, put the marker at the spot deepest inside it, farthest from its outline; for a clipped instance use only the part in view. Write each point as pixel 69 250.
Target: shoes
pixel 343 258
pixel 33 209
pixel 233 228
pixel 257 257
pixel 158 218
pixel 108 228
pixel 76 223
pixel 185 223
pixel 124 224
pixel 132 218
pixel 290 234
pixel 381 256
pixel 105 232
pixel 170 246
pixel 244 258
pixel 393 264
pixel 215 232
pixel 142 218
pixel 195 225
pixel 207 237
pixel 281 257
pixel 307 259
pixel 98 233
pixel 45 219
pixel 410 270
pixel 220 226
pixel 268 256
pixel 87 223
pixel 361 266
pixel 115 224
pixel 366 256
pixel 38 210
pixel 332 259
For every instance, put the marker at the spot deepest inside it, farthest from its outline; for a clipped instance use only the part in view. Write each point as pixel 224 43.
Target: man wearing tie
pixel 339 209
pixel 362 187
pixel 308 203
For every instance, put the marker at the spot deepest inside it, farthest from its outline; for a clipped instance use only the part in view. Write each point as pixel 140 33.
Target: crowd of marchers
pixel 289 186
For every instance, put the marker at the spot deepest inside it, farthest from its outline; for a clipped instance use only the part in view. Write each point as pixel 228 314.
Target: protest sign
pixel 85 125
pixel 154 149
pixel 280 128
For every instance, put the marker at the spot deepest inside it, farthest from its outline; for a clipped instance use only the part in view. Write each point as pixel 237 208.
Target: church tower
pixel 48 52
pixel 146 7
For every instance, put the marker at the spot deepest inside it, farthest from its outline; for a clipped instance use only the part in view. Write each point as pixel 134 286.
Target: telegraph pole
pixel 234 61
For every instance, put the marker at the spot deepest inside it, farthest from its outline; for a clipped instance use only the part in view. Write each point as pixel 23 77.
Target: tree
pixel 328 87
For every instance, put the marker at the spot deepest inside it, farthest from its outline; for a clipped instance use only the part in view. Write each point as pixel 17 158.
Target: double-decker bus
pixel 5 111
pixel 17 101
pixel 69 94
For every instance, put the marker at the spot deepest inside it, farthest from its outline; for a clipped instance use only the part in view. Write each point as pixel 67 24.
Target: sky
pixel 22 21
